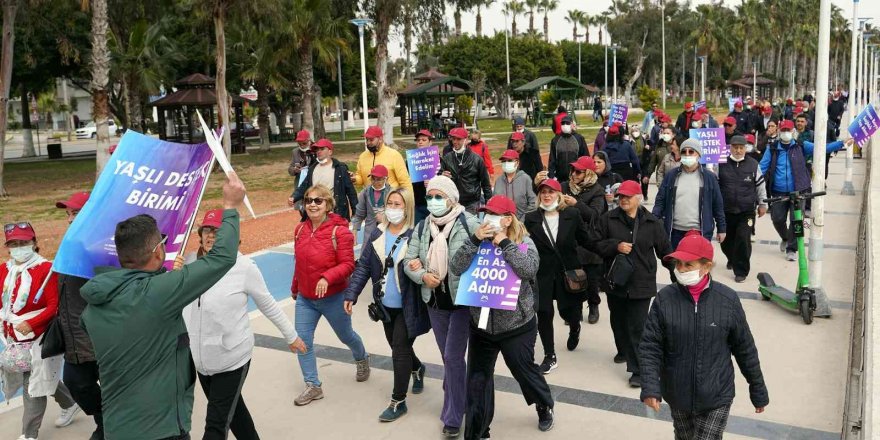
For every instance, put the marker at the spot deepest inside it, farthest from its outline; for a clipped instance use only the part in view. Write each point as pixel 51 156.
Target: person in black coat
pixel 467 170
pixel 631 232
pixel 557 233
pixel 343 190
pixel 695 326
pixel 607 179
pixel 399 296
pixel 583 193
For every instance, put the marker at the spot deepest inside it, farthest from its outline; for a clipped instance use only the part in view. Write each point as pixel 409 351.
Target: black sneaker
pixel 740 278
pixel 574 336
pixel 729 266
pixel 418 380
pixel 98 434
pixel 451 431
pixel 545 418
pixel 619 358
pixel 549 364
pixel 635 381
pixel 593 317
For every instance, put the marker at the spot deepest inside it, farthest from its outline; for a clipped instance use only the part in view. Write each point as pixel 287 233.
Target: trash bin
pixel 54 151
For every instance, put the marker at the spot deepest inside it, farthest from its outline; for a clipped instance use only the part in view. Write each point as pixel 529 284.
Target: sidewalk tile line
pixel 587 399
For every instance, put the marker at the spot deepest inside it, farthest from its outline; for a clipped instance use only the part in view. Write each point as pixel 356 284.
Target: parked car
pixel 90 131
pixel 249 130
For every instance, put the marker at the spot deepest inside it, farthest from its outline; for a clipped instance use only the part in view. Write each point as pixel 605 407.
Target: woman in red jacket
pixel 28 303
pixel 324 260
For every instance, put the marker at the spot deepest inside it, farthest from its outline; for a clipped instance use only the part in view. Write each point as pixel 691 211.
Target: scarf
pixel 590 178
pixel 438 251
pixel 14 271
pixel 697 289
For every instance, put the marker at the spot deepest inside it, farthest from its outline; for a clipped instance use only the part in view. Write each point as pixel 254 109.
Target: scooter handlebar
pixel 772 200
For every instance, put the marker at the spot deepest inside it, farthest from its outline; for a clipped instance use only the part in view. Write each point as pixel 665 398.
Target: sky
pixel 560 29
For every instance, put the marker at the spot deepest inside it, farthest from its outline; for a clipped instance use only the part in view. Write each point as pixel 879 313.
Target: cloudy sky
pixel 560 29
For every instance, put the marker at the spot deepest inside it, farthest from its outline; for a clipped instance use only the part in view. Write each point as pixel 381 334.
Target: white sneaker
pixel 66 417
pixel 22 437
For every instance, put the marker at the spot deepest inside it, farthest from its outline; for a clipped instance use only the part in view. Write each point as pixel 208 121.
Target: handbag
pixel 53 340
pixel 377 311
pixel 622 268
pixel 574 280
pixel 16 356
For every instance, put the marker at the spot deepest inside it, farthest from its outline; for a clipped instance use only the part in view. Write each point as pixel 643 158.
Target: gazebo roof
pixel 442 86
pixel 429 75
pixel 196 79
pixel 558 82
pixel 196 90
pixel 746 82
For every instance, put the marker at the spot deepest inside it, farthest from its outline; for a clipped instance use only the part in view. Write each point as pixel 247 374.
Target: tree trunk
pixel 126 105
pixel 387 95
pixel 318 113
pixel 220 82
pixel 9 10
pixel 457 16
pixel 263 114
pixel 407 49
pixel 100 66
pixel 26 132
pixel 746 62
pixel 513 27
pixel 574 33
pixel 546 28
pixel 479 22
pixel 307 77
pixel 531 21
pixel 638 72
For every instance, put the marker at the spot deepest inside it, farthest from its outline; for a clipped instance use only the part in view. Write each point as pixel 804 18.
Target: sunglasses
pixel 688 152
pixel 317 149
pixel 161 242
pixel 435 197
pixel 313 201
pixel 507 161
pixel 574 171
pixel 22 225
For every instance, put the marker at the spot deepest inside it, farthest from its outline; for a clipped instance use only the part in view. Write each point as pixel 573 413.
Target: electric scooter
pixel 803 299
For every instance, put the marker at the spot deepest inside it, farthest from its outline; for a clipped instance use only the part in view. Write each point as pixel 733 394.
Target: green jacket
pixel 142 347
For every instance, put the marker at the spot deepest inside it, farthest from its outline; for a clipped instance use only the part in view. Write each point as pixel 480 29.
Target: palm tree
pixel 585 23
pixel 384 13
pixel 10 8
pixel 531 5
pixel 513 8
pixel 548 6
pixel 100 72
pixel 480 5
pixel 574 17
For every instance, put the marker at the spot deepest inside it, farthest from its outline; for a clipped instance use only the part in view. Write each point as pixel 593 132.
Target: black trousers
pixel 403 358
pixel 594 280
pixel 82 381
pixel 782 215
pixel 571 315
pixel 737 246
pixel 628 318
pixel 226 408
pixel 519 355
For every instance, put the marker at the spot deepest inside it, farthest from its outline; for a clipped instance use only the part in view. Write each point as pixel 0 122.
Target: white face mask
pixel 666 137
pixel 550 207
pixel 323 161
pixel 394 215
pixel 22 254
pixel 458 150
pixel 305 149
pixel 521 130
pixel 566 128
pixel 688 161
pixel 689 278
pixel 508 167
pixel 493 220
pixel 750 148
pixel 636 134
pixel 737 159
pixel 785 137
pixel 437 207
pixel 696 124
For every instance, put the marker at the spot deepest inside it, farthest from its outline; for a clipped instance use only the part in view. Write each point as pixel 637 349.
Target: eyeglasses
pixel 507 161
pixel 313 201
pixel 22 225
pixel 161 242
pixel 574 171
pixel 688 152
pixel 435 197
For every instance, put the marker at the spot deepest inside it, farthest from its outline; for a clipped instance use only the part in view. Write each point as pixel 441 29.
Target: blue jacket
pixel 711 203
pixel 369 268
pixel 783 179
pixel 620 152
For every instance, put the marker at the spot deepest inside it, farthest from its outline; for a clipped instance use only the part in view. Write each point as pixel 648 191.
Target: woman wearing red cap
pixel 557 233
pixel 509 332
pixel 515 184
pixel 28 303
pixel 694 327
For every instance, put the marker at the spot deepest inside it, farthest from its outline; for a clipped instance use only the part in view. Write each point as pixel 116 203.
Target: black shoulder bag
pixel 622 268
pixel 575 279
pixel 377 310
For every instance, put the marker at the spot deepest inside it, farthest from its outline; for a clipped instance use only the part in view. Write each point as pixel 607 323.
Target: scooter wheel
pixel 806 311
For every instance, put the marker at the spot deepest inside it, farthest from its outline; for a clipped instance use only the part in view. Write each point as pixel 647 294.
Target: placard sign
pixel 619 113
pixel 864 125
pixel 423 163
pixel 489 281
pixel 715 148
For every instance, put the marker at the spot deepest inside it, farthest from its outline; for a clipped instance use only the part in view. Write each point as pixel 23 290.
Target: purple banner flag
pixel 144 176
pixel 619 113
pixel 423 163
pixel 715 148
pixel 699 104
pixel 864 125
pixel 489 281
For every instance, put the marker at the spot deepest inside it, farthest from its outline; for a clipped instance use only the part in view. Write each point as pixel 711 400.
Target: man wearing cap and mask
pixel 784 166
pixel 743 119
pixel 331 173
pixel 467 170
pixel 302 155
pixel 730 129
pixel 380 154
pixel 80 369
pixel 689 198
pixel 531 140
pixel 515 184
pixel 742 189
pixel 683 123
pixel 529 160
pixel 836 108
pixel 565 148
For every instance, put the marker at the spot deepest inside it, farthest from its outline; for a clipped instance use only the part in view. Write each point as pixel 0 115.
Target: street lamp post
pixel 663 51
pixel 360 23
pixel 755 81
pixel 614 48
pixel 702 78
pixel 507 61
pixel 848 189
pixel 341 99
pixel 579 56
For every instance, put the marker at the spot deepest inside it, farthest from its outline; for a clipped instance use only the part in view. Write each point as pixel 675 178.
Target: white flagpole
pixel 215 146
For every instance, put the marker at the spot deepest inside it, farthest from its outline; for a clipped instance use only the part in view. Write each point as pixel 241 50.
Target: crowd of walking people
pixel 136 337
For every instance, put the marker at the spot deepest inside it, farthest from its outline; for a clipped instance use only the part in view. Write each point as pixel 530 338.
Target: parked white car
pixel 90 131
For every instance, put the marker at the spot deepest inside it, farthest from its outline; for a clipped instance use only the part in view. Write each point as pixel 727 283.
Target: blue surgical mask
pixel 437 207
pixel 688 161
pixel 22 254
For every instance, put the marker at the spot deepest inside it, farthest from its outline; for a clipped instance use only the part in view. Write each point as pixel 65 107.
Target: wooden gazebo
pixel 743 86
pixel 564 87
pixel 178 121
pixel 426 98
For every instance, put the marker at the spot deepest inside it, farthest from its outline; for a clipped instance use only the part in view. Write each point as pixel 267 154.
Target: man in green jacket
pixel 134 320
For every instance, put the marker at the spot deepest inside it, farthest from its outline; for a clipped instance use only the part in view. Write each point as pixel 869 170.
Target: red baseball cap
pixel 112 149
pixel 552 184
pixel 323 143
pixel 665 119
pixel 458 133
pixel 303 136
pixel 584 163
pixel 692 247
pixel 213 218
pixel 517 136
pixel 614 130
pixel 629 188
pixel 737 104
pixel 767 110
pixel 379 171
pixel 786 125
pixel 730 120
pixel 750 138
pixel 510 155
pixel 425 133
pixel 500 205
pixel 19 231
pixel 789 101
pixel 74 202
pixel 373 132
pixel 688 105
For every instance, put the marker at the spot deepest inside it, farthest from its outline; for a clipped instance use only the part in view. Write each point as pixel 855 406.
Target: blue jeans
pixel 306 316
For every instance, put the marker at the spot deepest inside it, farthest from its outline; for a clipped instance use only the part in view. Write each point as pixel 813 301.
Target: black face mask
pixel 372 149
pixel 474 141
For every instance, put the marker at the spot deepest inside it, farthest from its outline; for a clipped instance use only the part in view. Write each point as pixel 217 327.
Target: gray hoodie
pixel 519 190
